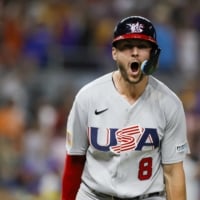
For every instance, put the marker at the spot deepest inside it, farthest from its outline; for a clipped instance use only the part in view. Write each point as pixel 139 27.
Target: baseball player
pixel 126 132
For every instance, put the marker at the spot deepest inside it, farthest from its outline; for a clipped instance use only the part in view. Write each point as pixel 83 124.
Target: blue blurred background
pixel 49 49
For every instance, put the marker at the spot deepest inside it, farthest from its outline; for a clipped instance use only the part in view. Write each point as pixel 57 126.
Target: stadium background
pixel 49 49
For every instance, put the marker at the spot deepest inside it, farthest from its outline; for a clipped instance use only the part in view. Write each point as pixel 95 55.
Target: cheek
pixel 117 55
pixel 146 54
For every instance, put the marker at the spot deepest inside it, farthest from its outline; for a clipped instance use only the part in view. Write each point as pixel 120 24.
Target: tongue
pixel 134 66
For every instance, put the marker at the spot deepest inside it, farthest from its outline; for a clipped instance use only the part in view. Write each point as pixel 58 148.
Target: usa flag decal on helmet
pixel 136 28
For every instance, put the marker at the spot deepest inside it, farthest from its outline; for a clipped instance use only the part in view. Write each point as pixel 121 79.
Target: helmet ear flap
pixel 150 66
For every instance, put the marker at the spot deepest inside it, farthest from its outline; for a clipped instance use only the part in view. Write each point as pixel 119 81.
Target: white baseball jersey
pixel 125 144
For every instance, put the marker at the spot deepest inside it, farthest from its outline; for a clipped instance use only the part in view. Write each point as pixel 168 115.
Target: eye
pixel 125 46
pixel 143 46
pixel 128 46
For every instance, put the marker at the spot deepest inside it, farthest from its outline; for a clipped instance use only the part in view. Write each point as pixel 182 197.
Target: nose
pixel 134 51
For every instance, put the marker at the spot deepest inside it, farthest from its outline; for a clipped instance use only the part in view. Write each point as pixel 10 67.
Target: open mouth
pixel 134 66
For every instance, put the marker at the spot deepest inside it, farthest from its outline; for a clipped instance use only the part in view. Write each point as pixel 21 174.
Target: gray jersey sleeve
pixel 77 140
pixel 174 146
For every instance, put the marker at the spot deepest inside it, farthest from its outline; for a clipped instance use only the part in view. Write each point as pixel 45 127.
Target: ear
pixel 114 53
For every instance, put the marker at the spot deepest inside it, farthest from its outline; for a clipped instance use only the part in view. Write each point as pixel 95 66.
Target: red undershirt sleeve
pixel 72 176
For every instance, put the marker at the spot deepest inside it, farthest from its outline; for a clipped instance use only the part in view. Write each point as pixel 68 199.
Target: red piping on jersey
pixel 72 176
pixel 134 36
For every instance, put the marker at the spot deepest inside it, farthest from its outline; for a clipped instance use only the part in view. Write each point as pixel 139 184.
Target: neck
pixel 130 91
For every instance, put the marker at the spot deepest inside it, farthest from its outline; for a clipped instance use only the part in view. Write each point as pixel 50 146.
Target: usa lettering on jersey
pixel 126 139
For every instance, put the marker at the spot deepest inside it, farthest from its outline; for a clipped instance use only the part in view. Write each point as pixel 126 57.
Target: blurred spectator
pixel 190 98
pixel 12 120
pixel 36 45
pixel 166 37
pixel 12 126
pixel 13 87
pixel 12 34
pixel 188 56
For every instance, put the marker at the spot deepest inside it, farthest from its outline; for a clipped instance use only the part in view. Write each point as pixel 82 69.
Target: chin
pixel 136 80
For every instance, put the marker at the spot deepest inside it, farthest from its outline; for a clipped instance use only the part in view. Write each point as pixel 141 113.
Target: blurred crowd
pixel 49 49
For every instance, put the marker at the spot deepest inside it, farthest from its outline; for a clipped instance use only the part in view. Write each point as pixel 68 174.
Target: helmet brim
pixel 134 36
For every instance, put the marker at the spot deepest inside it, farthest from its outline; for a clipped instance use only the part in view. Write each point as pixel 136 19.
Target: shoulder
pixel 165 102
pixel 163 91
pixel 102 83
pixel 166 99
